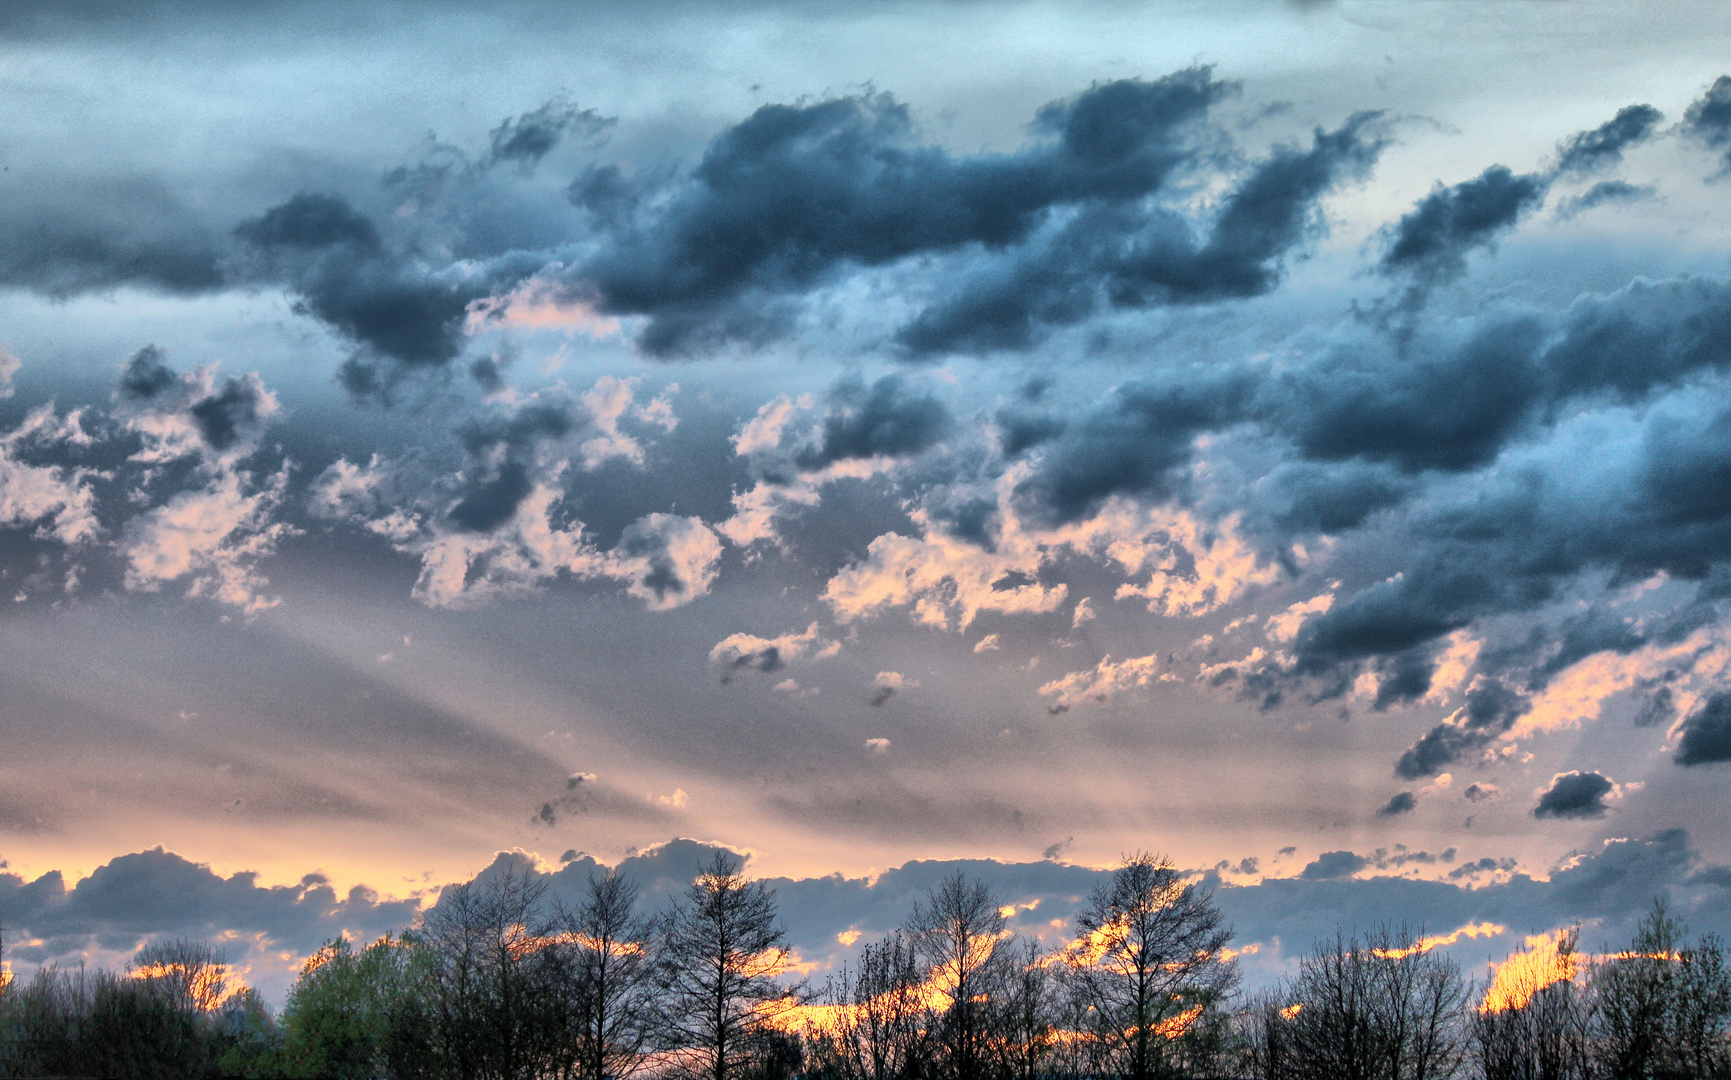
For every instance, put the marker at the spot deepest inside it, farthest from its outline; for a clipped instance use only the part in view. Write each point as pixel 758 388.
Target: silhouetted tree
pixel 873 1026
pixel 1662 1007
pixel 607 988
pixel 1149 974
pixel 957 931
pixel 480 971
pixel 1381 1007
pixel 721 952
pixel 1024 1011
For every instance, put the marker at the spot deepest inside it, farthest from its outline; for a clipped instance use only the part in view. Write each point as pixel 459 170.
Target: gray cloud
pixel 1403 803
pixel 1430 244
pixel 157 893
pixel 533 135
pixel 1706 735
pixel 1334 864
pixel 1709 118
pixel 1574 795
pixel 1589 151
pixel 888 418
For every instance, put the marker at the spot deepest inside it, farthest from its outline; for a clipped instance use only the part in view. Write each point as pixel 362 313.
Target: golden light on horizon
pixel 1545 960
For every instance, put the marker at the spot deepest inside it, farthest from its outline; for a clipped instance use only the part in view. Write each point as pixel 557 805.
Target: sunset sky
pixel 1291 437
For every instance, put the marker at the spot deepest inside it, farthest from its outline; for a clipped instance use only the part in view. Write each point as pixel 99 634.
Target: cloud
pixel 1481 792
pixel 9 366
pixel 69 237
pixel 214 537
pixel 1430 244
pixel 1605 193
pixel 887 684
pixel 887 420
pixel 1575 795
pixel 945 580
pixel 763 432
pixel 667 559
pixel 1705 735
pixel 345 490
pixel 864 433
pixel 878 746
pixel 748 652
pixel 1402 803
pixel 1709 119
pixel 1589 151
pixel 1331 865
pixel 1104 681
pixel 1084 613
pixel 664 560
pixel 1284 626
pixel 57 500
pixel 530 137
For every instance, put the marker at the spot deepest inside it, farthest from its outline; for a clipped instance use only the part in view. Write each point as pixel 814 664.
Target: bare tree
pixel 1381 1007
pixel 1023 1019
pixel 482 972
pixel 192 975
pixel 1534 1022
pixel 607 979
pixel 957 932
pixel 1662 1006
pixel 873 1025
pixel 1148 969
pixel 1265 1036
pixel 721 953
pixel 1698 1028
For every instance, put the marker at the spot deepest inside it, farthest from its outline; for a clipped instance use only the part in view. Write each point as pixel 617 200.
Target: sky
pixel 875 440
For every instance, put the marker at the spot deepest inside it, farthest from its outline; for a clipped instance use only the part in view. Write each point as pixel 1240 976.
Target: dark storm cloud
pixel 889 419
pixel 223 417
pixel 1709 119
pixel 1445 397
pixel 1021 431
pixel 1134 440
pixel 792 193
pixel 1707 733
pixel 1491 709
pixel 1575 795
pixel 533 135
pixel 788 198
pixel 1132 257
pixel 397 307
pixel 1430 244
pixel 310 221
pixel 501 449
pixel 1603 146
pixel 1448 404
pixel 145 375
pixel 158 893
pixel 1403 803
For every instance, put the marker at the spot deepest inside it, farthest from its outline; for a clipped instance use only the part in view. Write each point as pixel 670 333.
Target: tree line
pixel 499 981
